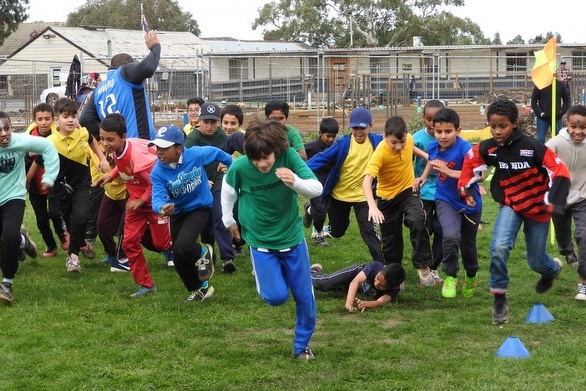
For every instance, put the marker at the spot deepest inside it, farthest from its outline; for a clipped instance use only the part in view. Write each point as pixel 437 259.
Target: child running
pixel 458 220
pixel 570 146
pixel 265 183
pixel 529 182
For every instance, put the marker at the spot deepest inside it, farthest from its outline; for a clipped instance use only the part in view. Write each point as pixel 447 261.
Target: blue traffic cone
pixel 539 314
pixel 512 348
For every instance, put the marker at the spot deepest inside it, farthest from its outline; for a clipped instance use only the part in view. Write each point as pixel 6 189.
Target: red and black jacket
pixel 528 176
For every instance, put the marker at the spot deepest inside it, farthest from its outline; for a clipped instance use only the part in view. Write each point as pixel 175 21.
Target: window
pixel 238 68
pixel 516 62
pixel 578 61
pixel 379 65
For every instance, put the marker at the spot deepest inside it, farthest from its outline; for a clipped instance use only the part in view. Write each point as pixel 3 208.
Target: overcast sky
pixel 233 18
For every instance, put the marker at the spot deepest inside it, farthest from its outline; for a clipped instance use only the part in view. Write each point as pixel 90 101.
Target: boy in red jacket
pixel 529 182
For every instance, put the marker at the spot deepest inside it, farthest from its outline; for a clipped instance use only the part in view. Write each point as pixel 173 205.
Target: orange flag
pixel 545 67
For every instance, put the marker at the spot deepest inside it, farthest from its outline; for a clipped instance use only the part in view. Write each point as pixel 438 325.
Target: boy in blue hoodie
pixel 181 191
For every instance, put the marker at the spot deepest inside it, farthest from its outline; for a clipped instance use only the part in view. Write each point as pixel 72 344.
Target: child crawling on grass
pixel 376 280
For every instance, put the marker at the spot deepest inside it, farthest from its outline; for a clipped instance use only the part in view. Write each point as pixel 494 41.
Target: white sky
pixel 233 18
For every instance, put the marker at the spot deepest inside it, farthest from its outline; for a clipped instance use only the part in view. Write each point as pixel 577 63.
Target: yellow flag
pixel 545 67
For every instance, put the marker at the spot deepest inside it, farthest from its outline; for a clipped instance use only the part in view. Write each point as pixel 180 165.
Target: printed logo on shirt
pixel 526 152
pixel 514 165
pixel 186 182
pixel 266 187
pixel 7 163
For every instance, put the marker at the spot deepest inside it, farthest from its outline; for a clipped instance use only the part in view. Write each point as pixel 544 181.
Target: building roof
pixel 23 34
pixel 233 45
pixel 179 48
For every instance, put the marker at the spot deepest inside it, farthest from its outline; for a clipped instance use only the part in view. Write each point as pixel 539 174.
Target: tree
pixel 125 14
pixel 497 39
pixel 518 40
pixel 364 23
pixel 12 13
pixel 544 38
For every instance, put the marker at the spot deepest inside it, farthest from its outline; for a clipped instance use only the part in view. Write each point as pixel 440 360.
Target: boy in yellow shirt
pixel 72 186
pixel 391 163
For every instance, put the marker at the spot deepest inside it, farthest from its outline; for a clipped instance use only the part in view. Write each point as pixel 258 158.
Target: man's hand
pixel 151 38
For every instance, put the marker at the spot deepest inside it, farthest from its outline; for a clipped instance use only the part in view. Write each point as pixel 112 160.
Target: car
pixel 50 95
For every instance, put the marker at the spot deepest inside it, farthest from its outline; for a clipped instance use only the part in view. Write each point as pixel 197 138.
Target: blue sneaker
pixel 108 259
pixel 205 264
pixel 119 266
pixel 143 291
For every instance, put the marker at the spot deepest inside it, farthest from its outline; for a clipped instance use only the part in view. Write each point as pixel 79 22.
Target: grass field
pixel 69 331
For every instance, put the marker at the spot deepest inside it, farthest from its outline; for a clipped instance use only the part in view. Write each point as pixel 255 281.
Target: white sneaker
pixel 314 233
pixel 436 277
pixel 72 263
pixel 581 292
pixel 425 278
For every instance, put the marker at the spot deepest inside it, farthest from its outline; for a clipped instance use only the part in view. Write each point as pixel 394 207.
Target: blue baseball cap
pixel 360 118
pixel 168 136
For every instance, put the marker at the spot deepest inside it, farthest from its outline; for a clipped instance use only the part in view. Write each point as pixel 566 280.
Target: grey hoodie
pixel 574 156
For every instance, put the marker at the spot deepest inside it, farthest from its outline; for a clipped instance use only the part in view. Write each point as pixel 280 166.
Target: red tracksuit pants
pixel 135 224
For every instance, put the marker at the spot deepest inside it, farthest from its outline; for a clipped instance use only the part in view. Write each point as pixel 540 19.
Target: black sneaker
pixel 572 260
pixel 201 294
pixel 6 292
pixel 205 264
pixel 30 248
pixel 228 266
pixel 305 355
pixel 320 241
pixel 500 311
pixel 545 283
pixel 307 219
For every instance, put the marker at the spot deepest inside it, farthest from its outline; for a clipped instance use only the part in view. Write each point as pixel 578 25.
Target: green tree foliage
pixel 12 13
pixel 125 14
pixel 366 23
pixel 518 40
pixel 497 39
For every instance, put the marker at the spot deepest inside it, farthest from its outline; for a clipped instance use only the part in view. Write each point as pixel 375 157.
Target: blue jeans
pixel 543 125
pixel 507 225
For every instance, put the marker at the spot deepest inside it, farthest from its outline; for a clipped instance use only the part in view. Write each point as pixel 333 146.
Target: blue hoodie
pixel 186 185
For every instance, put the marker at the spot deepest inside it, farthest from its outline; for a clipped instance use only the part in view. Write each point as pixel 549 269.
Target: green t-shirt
pixel 295 140
pixel 267 208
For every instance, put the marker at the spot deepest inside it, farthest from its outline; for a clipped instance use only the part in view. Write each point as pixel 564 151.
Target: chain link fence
pixel 320 83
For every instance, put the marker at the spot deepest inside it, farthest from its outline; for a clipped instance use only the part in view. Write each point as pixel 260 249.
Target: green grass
pixel 82 332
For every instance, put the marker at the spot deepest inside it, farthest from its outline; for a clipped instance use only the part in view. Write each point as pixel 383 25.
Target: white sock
pixel 22 241
pixel 7 281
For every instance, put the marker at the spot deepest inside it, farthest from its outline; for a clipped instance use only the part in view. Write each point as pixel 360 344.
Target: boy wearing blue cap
pixel 181 191
pixel 348 157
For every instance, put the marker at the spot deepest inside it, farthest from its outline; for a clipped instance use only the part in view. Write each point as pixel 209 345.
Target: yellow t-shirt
pixel 116 189
pixel 349 187
pixel 394 170
pixel 188 128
